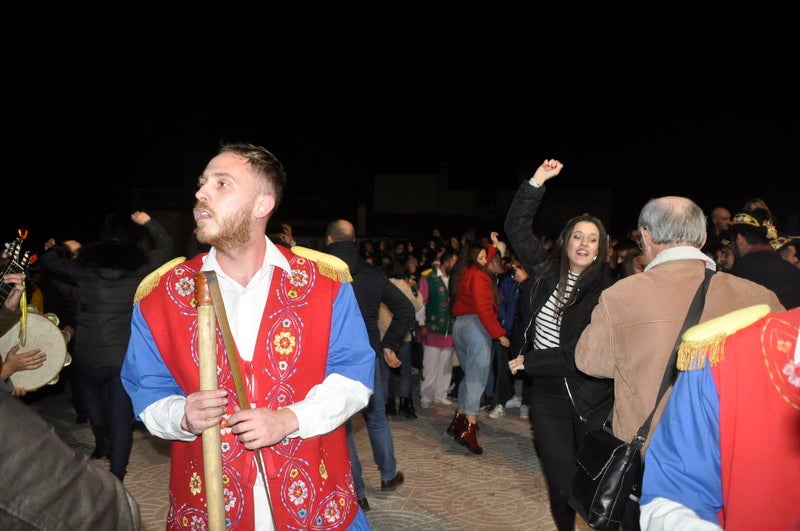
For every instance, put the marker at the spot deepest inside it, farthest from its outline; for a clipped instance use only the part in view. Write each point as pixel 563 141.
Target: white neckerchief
pixel 682 252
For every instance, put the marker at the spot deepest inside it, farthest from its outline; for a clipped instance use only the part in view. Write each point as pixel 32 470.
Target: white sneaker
pixel 523 412
pixel 425 404
pixel 497 412
pixel 444 400
pixel 515 401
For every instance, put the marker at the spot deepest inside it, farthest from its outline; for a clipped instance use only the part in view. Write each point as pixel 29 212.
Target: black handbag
pixel 608 471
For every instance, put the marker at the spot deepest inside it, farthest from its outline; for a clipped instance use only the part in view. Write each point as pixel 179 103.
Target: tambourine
pixel 41 332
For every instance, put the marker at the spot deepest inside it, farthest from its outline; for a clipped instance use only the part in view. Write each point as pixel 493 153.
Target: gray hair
pixel 674 219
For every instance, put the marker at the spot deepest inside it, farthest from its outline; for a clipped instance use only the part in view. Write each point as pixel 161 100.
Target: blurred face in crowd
pixel 724 258
pixel 638 264
pixel 520 275
pixel 447 265
pixel 496 265
pixel 482 257
pixel 789 253
pixel 411 266
pixel 721 219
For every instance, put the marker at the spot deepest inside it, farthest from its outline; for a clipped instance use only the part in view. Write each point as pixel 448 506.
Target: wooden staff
pixel 236 372
pixel 212 455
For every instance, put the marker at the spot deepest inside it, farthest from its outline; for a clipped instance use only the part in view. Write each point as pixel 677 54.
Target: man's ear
pixel 263 206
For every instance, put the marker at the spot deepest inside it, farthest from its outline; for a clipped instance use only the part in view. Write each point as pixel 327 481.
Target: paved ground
pixel 446 487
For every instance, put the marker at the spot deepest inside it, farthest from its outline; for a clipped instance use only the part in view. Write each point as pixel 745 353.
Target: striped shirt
pixel 548 320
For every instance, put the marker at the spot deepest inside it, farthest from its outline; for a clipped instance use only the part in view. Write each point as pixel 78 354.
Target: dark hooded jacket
pixel 107 273
pixel 763 265
pixel 372 287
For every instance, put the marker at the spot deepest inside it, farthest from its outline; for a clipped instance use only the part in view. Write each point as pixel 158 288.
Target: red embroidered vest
pixel 759 452
pixel 310 480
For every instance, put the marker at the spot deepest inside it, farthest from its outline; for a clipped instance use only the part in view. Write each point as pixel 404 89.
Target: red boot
pixel 457 425
pixel 469 438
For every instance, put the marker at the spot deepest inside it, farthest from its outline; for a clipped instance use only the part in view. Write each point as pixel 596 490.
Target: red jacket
pixel 476 296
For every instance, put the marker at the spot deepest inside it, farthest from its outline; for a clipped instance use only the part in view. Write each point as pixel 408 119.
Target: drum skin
pixel 42 333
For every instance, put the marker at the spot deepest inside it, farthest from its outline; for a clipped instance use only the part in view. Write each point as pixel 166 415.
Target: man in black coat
pixel 758 261
pixel 372 287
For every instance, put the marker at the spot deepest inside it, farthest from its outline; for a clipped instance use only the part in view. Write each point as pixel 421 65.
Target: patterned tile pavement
pixel 446 487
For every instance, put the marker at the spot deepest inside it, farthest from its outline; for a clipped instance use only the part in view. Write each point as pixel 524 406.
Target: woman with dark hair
pixel 554 308
pixel 474 296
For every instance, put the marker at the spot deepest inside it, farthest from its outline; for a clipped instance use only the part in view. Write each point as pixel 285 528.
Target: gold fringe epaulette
pixel 329 265
pixel 706 340
pixel 150 282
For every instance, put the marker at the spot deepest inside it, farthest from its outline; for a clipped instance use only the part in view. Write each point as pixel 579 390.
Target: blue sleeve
pixel 682 462
pixel 507 308
pixel 350 353
pixel 144 375
pixel 147 379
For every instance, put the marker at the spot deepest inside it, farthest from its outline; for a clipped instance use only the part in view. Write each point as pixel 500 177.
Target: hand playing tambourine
pixel 17 361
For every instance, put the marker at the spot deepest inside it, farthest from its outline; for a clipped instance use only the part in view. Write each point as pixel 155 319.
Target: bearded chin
pixel 232 233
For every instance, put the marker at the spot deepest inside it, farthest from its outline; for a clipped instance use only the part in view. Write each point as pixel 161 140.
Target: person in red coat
pixel 474 296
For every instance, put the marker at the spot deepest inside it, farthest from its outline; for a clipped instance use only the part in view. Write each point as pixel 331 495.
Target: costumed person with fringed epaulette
pixel 301 348
pixel 726 454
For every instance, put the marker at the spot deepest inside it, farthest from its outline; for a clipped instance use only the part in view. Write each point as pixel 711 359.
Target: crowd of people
pixel 573 329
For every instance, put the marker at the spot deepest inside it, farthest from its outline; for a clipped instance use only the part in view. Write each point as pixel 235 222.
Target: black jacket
pixel 372 287
pixel 107 282
pixel 766 267
pixel 553 369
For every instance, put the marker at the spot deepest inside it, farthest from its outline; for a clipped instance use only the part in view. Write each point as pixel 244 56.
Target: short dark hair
pixel 264 164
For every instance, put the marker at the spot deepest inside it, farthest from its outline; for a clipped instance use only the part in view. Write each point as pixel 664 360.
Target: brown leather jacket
pixel 48 485
pixel 634 327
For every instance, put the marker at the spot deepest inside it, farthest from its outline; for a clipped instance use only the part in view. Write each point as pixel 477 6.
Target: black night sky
pixel 703 105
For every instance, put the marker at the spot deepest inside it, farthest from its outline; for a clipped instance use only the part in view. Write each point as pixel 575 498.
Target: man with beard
pixel 304 354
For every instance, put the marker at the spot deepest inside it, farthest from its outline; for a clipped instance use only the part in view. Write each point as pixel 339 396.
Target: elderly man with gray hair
pixel 637 320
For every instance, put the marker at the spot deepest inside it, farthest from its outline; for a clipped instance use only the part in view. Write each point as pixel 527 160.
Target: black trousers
pixel 503 379
pixel 557 434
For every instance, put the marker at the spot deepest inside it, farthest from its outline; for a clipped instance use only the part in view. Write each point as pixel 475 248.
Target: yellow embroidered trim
pixel 150 282
pixel 329 265
pixel 707 340
pixel 743 218
pixel 780 241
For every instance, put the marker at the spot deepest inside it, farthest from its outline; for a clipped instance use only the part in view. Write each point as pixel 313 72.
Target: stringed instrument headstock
pixel 17 262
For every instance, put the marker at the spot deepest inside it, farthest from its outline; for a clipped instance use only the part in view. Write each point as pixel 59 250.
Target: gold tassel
pixel 692 354
pixel 707 339
pixel 329 265
pixel 150 282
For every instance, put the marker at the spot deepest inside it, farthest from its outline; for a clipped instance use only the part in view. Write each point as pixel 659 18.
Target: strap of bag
pixel 671 371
